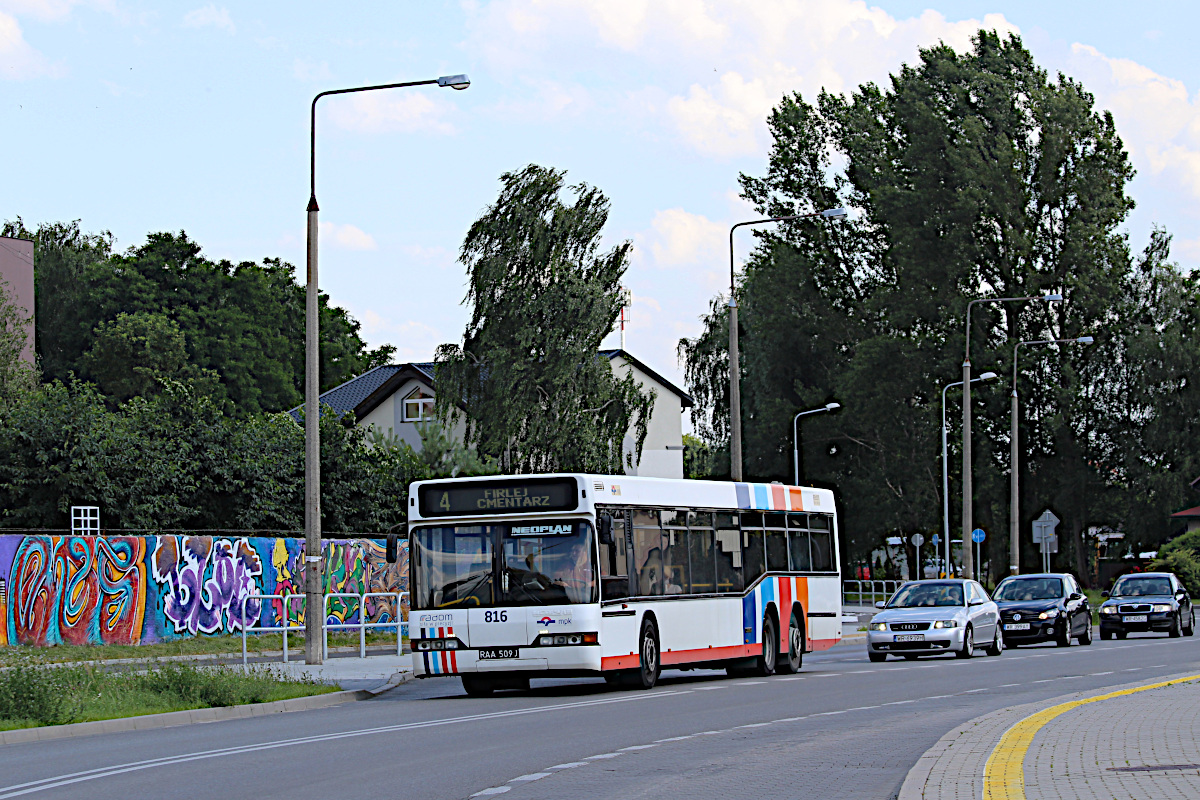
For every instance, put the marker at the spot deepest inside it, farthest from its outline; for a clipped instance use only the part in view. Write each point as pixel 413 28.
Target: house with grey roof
pixel 394 398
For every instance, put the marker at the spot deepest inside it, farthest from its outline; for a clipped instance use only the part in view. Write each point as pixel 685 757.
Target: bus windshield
pixel 509 564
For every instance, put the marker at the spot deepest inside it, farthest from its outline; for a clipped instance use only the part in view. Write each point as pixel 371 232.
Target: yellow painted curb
pixel 1004 773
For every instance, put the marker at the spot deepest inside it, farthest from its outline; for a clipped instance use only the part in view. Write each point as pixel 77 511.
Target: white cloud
pixel 679 238
pixel 348 236
pixel 209 15
pixel 386 112
pixel 309 71
pixel 751 52
pixel 18 60
pixel 1156 117
pixel 415 341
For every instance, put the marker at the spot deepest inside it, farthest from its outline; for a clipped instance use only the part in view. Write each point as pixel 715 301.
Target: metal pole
pixel 967 522
pixel 945 486
pixel 1014 526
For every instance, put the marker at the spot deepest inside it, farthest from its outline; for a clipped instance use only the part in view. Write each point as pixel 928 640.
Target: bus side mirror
pixel 393 543
pixel 604 526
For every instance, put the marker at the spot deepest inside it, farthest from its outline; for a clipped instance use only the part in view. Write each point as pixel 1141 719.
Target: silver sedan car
pixel 935 616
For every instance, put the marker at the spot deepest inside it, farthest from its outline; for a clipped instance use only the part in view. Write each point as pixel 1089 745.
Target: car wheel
pixel 997 645
pixel 1176 626
pixel 968 648
pixel 1105 635
pixel 1086 637
pixel 1121 634
pixel 649 667
pixel 478 686
pixel 1191 628
pixel 1064 638
pixel 770 649
pixel 877 657
pixel 794 658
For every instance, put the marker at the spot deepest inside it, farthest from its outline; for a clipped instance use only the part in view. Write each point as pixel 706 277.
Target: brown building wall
pixel 16 269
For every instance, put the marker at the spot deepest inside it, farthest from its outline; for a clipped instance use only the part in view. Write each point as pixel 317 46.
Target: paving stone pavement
pixel 1097 751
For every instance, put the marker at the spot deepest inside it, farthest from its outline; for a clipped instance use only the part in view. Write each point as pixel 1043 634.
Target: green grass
pixel 34 695
pixel 190 646
pixel 1094 600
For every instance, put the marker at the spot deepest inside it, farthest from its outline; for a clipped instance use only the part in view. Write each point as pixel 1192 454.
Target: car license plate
pixel 1134 618
pixel 1017 626
pixel 909 637
pixel 492 653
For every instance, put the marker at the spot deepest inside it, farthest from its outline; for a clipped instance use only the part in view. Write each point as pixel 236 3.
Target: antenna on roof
pixel 626 302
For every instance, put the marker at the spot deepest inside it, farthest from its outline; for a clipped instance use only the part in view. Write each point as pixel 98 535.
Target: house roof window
pixel 418 406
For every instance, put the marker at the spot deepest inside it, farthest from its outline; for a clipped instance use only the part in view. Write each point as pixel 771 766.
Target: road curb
pixel 173 719
pixel 915 781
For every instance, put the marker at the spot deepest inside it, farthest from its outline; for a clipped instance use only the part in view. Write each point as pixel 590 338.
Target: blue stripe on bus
pixel 743 495
pixel 750 618
pixel 762 497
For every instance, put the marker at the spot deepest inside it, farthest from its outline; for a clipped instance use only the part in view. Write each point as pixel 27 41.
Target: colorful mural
pixel 143 589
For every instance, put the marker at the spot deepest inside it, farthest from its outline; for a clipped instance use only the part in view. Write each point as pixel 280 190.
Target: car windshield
pixel 520 564
pixel 1141 587
pixel 919 595
pixel 1029 589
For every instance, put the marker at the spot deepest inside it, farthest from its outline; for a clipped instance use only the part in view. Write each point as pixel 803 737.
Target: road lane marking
pixel 1110 672
pixel 491 791
pixel 638 747
pixel 68 779
pixel 533 776
pixel 602 755
pixel 673 739
pixel 1004 773
pixel 569 765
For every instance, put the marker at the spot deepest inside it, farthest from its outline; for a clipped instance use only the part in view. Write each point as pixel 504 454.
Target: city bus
pixel 567 575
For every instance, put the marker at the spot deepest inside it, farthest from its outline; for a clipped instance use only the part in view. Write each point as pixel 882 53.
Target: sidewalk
pixel 351 673
pixel 1136 741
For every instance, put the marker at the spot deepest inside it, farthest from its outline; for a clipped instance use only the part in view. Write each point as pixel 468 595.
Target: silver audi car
pixel 929 617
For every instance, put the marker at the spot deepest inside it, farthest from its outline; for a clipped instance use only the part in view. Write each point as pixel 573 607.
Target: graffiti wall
pixel 142 589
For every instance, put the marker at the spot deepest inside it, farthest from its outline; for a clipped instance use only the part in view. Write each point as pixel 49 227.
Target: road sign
pixel 978 535
pixel 936 540
pixel 917 540
pixel 1043 529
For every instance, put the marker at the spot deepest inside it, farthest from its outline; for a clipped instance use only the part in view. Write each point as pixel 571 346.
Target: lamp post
pixel 987 376
pixel 967 499
pixel 1014 528
pixel 735 392
pixel 796 434
pixel 313 602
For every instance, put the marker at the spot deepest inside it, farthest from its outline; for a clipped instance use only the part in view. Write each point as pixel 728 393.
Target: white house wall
pixel 665 428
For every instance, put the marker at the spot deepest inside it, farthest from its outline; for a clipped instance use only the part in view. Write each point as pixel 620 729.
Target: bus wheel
pixel 794 658
pixel 478 686
pixel 770 652
pixel 649 666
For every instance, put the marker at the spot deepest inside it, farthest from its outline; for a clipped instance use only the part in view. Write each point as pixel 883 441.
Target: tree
pixel 976 176
pixel 527 377
pixel 135 353
pixel 243 322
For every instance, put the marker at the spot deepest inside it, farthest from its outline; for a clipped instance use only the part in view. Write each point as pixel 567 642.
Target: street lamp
pixel 967 499
pixel 735 392
pixel 313 569
pixel 987 376
pixel 1014 541
pixel 796 434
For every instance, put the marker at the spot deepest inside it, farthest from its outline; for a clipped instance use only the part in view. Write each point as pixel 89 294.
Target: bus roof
pixel 626 490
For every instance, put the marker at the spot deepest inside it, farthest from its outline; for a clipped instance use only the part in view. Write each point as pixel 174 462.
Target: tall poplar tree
pixel 527 379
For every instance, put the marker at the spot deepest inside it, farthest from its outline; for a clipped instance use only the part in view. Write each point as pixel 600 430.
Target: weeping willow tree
pixel 527 381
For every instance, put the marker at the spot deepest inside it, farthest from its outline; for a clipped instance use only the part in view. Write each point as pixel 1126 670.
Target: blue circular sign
pixel 978 535
pixel 936 539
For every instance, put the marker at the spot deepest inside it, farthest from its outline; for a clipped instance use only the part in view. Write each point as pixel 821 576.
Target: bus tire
pixel 478 685
pixel 765 667
pixel 794 659
pixel 649 664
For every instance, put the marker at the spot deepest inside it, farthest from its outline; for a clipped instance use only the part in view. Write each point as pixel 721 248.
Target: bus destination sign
pixel 497 497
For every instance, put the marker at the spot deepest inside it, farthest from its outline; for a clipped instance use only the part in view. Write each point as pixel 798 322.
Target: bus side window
pixel 647 553
pixel 798 554
pixel 614 571
pixel 700 552
pixel 676 575
pixel 729 554
pixel 777 560
pixel 822 543
pixel 753 556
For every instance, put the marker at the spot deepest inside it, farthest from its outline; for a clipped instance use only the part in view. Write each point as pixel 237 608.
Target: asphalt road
pixel 843 728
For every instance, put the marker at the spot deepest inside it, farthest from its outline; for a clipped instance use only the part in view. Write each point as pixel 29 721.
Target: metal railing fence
pixel 400 624
pixel 286 599
pixel 862 590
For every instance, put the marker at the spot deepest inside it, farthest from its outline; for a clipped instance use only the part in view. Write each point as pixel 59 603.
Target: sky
pixel 136 117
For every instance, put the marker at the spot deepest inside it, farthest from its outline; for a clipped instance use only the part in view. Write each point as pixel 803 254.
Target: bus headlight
pixel 426 645
pixel 567 639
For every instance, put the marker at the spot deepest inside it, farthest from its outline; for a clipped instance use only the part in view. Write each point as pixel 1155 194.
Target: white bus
pixel 526 576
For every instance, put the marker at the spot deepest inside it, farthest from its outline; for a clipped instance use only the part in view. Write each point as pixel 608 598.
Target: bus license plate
pixel 492 653
pixel 1135 618
pixel 1017 626
pixel 909 637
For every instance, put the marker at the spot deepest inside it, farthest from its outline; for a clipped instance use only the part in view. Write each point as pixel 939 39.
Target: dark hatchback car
pixel 1043 608
pixel 1147 601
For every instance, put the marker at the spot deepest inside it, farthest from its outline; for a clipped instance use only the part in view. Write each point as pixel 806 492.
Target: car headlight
pixel 1051 614
pixel 879 626
pixel 1160 608
pixel 1108 609
pixel 946 623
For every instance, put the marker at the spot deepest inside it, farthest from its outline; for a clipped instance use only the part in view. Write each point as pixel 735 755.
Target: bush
pixel 209 686
pixel 1184 562
pixel 34 693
